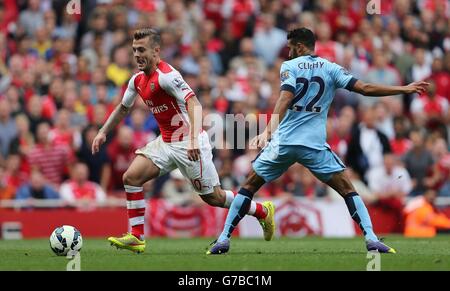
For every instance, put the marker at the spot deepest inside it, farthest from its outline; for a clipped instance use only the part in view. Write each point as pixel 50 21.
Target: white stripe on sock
pixel 229 196
pixel 136 220
pixel 135 204
pixel 252 209
pixel 133 189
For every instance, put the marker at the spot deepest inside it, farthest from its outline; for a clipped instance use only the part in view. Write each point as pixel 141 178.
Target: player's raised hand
pixel 417 87
pixel 193 151
pixel 99 139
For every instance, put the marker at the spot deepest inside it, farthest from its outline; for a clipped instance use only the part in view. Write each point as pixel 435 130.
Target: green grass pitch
pixel 310 253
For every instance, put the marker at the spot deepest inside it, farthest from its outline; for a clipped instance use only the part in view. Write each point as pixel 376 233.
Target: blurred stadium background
pixel 62 74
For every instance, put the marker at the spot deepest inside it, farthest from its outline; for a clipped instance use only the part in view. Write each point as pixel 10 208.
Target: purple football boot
pixel 219 248
pixel 379 247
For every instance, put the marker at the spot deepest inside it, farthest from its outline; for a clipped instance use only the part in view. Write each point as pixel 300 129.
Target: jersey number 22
pixel 310 106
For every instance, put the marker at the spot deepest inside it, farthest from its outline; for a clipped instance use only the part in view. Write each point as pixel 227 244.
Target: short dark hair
pixel 153 34
pixel 302 35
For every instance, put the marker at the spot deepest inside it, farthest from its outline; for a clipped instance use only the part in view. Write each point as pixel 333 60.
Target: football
pixel 64 239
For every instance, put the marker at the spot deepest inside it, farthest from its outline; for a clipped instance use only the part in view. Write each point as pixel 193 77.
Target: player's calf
pixel 224 198
pixel 140 171
pixel 355 205
pixel 264 212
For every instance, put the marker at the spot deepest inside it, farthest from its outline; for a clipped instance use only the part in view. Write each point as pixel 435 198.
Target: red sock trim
pixel 138 231
pixel 259 212
pixel 136 212
pixel 135 196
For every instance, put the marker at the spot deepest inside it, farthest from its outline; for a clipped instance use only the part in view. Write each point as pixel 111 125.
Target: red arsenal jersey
pixel 165 93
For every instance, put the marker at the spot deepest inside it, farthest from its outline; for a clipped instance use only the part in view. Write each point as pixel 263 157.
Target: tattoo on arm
pixel 116 116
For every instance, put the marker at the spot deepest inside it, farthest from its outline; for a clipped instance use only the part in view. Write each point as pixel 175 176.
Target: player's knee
pixel 130 179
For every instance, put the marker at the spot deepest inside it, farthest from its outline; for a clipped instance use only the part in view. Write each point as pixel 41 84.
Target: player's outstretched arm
pixel 116 116
pixel 371 89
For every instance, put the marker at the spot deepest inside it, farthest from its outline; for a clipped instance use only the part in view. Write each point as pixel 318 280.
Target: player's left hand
pixel 417 87
pixel 260 141
pixel 193 151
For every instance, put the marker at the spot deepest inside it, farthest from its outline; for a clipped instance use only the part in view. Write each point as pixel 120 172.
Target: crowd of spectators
pixel 62 74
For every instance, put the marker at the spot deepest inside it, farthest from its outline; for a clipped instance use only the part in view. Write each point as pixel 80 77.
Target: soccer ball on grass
pixel 64 239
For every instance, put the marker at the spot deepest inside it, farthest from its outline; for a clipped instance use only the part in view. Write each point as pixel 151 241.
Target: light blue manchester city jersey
pixel 313 81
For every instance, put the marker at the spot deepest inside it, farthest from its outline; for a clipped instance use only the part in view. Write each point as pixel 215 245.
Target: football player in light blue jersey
pixel 308 85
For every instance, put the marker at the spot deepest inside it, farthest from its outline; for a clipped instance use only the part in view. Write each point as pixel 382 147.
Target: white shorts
pixel 168 156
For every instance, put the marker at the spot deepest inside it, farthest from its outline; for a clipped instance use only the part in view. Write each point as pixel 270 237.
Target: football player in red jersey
pixel 182 143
